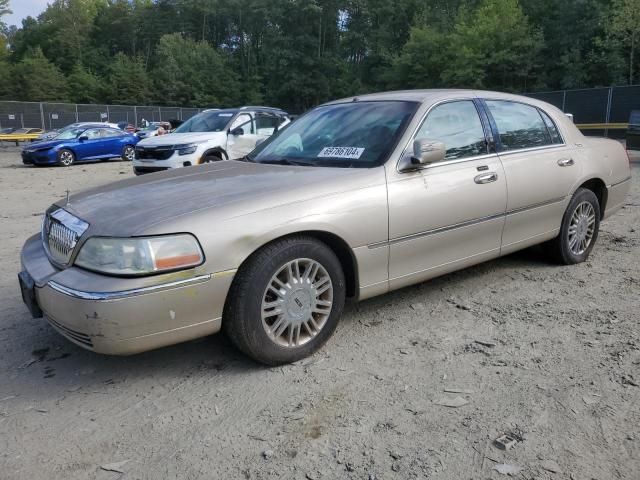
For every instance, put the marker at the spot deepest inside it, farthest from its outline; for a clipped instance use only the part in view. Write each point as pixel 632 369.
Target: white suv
pixel 210 136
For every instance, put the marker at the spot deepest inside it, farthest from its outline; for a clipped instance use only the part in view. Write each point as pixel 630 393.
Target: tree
pixel 37 79
pixel 492 46
pixel 421 60
pixel 84 85
pixel 625 26
pixel 192 73
pixel 129 83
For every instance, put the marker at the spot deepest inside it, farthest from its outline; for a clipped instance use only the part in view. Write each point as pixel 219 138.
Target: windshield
pixel 70 133
pixel 355 134
pixel 206 122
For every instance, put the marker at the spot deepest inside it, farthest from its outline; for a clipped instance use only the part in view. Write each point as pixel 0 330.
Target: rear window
pixel 520 126
pixel 551 126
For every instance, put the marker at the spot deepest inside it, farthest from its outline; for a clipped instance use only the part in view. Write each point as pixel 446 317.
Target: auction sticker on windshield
pixel 341 152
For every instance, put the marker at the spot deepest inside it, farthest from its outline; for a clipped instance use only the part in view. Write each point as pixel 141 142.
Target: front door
pixel 540 169
pixel 92 145
pixel 449 214
pixel 242 136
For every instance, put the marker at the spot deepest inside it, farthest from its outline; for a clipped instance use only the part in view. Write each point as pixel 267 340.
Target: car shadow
pixel 61 365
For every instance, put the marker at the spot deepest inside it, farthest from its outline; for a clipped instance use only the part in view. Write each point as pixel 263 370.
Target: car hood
pixel 138 205
pixel 44 144
pixel 180 138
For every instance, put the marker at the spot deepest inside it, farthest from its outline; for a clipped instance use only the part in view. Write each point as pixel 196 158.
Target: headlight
pixel 187 149
pixel 140 256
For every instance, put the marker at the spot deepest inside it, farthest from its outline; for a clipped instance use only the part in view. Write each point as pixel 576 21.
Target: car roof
pixel 431 95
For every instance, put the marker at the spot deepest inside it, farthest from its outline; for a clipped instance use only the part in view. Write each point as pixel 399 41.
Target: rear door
pixel 540 170
pixel 113 142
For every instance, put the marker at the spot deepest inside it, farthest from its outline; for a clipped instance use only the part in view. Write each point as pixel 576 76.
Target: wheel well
pixel 216 152
pixel 342 251
pixel 599 188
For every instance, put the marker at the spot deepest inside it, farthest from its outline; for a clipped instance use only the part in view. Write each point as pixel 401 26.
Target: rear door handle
pixel 566 162
pixel 486 178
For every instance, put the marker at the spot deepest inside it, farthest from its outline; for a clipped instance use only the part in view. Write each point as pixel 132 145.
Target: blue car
pixel 82 144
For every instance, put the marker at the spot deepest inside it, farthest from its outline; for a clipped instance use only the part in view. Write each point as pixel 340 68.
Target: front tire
pixel 286 301
pixel 579 229
pixel 66 157
pixel 212 157
pixel 128 153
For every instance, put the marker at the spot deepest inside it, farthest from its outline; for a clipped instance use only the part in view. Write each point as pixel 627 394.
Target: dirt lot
pixel 548 353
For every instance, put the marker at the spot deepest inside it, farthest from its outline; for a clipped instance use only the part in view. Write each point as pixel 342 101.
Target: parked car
pixel 81 144
pixel 355 198
pixel 154 129
pixel 51 134
pixel 210 136
pixel 5 131
pixel 27 131
pixel 633 131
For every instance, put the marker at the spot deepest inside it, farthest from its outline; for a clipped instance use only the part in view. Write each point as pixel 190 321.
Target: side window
pixel 553 130
pixel 92 133
pixel 458 126
pixel 519 125
pixel 243 121
pixel 112 132
pixel 266 124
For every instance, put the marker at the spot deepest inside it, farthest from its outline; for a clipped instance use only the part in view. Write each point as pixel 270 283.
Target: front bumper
pixel 122 316
pixel 38 158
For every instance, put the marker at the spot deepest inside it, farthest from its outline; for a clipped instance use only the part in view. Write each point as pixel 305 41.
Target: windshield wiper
pixel 287 161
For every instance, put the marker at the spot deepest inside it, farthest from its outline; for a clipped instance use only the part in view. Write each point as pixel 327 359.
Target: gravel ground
pixel 546 353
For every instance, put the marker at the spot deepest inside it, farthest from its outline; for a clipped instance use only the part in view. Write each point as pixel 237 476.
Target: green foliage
pixel 35 77
pixel 128 82
pixel 191 73
pixel 625 26
pixel 298 53
pixel 84 86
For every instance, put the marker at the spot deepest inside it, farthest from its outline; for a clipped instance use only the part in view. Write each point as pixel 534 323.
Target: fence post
pixel 77 118
pixel 564 100
pixel 44 127
pixel 135 115
pixel 608 118
pixel 108 117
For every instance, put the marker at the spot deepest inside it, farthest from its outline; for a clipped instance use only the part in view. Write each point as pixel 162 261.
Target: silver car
pixel 356 198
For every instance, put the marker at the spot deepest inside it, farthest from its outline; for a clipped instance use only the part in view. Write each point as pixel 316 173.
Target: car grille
pixel 154 153
pixel 60 234
pixel 143 170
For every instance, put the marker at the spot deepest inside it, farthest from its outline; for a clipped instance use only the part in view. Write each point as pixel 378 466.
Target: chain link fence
pixel 596 106
pixel 49 116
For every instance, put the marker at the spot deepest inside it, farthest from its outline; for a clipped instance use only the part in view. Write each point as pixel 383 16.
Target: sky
pixel 22 9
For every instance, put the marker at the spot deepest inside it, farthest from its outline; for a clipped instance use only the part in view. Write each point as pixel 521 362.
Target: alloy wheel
pixel 129 153
pixel 297 302
pixel 66 158
pixel 581 228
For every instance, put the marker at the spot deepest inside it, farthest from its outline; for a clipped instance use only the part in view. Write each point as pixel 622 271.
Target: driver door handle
pixel 486 178
pixel 566 162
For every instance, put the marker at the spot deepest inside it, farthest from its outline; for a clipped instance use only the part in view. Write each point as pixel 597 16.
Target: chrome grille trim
pixel 60 234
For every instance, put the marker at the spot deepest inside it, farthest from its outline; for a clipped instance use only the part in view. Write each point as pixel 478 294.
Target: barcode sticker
pixel 341 152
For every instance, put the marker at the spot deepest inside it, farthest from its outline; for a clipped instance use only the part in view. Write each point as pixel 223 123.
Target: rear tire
pixel 579 229
pixel 66 157
pixel 128 153
pixel 285 301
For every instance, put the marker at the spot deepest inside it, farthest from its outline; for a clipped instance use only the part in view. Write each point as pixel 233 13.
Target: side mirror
pixel 428 151
pixel 83 138
pixel 237 131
